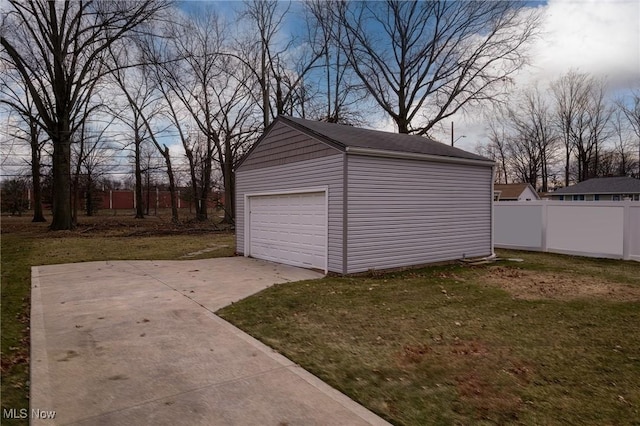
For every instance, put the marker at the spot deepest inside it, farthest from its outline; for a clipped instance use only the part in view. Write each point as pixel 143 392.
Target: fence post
pixel 543 237
pixel 110 199
pixel 626 231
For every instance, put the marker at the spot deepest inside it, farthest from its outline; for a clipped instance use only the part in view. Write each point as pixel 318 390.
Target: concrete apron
pixel 136 342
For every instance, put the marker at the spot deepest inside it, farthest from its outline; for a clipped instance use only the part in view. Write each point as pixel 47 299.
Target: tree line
pixel 88 77
pixel 568 132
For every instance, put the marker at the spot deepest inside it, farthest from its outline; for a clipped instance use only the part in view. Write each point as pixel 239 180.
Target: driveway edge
pixel 314 381
pixel 40 397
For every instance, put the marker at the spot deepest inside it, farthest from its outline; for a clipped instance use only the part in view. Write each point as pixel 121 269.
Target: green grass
pixel 24 245
pixel 15 322
pixel 441 345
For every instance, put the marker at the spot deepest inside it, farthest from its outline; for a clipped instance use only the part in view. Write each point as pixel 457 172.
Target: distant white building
pixel 600 189
pixel 514 192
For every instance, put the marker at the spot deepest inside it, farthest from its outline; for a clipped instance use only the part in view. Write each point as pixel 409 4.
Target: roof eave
pixel 313 134
pixel 595 192
pixel 417 156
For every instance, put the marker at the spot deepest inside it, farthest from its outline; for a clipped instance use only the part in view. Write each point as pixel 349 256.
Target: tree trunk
pixel 138 173
pixel 89 209
pixel 61 183
pixel 266 116
pixel 229 186
pixel 545 172
pixel 566 165
pixel 172 186
pixel 403 124
pixel 38 215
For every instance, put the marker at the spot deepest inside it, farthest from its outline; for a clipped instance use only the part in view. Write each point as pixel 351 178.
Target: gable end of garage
pixel 282 144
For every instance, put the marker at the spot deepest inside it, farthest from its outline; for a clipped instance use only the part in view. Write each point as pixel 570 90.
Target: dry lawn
pixel 551 340
pixel 539 285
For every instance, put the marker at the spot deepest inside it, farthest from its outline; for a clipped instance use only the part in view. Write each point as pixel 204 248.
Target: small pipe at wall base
pixel 481 260
pixel 491 257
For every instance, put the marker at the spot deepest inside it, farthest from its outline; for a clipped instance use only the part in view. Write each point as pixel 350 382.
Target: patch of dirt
pixel 522 371
pixel 535 285
pixel 487 398
pixel 412 354
pixel 469 347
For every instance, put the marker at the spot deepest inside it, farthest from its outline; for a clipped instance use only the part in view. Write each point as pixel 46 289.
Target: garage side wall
pixel 317 172
pixel 408 212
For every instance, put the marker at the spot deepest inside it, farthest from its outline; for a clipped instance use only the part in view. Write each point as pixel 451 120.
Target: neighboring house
pixel 514 192
pixel 601 189
pixel 347 200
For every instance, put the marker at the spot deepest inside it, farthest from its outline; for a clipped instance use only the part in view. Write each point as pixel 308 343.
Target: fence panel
pixel 632 235
pixel 518 225
pixel 592 228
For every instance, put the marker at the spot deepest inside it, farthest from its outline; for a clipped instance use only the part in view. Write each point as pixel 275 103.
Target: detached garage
pixel 346 200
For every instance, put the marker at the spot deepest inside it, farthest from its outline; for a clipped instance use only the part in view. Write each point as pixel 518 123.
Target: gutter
pixel 416 156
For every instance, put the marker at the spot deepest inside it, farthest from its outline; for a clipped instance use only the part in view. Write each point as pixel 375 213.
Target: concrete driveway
pixel 136 342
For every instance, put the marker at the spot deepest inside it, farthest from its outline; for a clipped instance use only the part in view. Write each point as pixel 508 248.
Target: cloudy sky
pixel 593 36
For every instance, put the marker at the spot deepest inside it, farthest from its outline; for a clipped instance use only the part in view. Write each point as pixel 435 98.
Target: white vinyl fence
pixel 587 228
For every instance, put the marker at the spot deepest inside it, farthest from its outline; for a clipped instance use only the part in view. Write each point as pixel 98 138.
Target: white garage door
pixel 289 228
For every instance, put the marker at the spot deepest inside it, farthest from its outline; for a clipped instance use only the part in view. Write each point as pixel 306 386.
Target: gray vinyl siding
pixel 408 212
pixel 325 171
pixel 285 145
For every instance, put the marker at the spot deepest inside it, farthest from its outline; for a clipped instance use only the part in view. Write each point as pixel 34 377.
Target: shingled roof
pixel 343 137
pixel 604 185
pixel 512 190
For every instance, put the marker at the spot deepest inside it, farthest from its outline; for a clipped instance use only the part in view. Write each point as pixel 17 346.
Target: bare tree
pixel 569 95
pixel 279 72
pixel 236 124
pixel 622 155
pixel 191 77
pixel 531 119
pixel 268 20
pixel 132 76
pixel 424 61
pixel 341 90
pixel 20 101
pixel 91 152
pixel 57 47
pixel 154 52
pixel 591 128
pixel 525 158
pixel 13 195
pixel 631 111
pixel 582 118
pixel 497 148
pixel 213 92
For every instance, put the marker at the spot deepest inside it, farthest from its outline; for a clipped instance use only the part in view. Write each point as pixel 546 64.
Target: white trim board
pixel 294 191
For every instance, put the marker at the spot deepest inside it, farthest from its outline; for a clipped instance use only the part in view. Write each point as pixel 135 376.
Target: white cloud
pixel 592 36
pixel 598 37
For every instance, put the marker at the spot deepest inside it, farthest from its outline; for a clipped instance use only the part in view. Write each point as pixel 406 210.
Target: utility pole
pixel 455 140
pixel 452 133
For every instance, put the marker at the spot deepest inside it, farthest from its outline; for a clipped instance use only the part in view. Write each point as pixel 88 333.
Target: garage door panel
pixel 289 228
